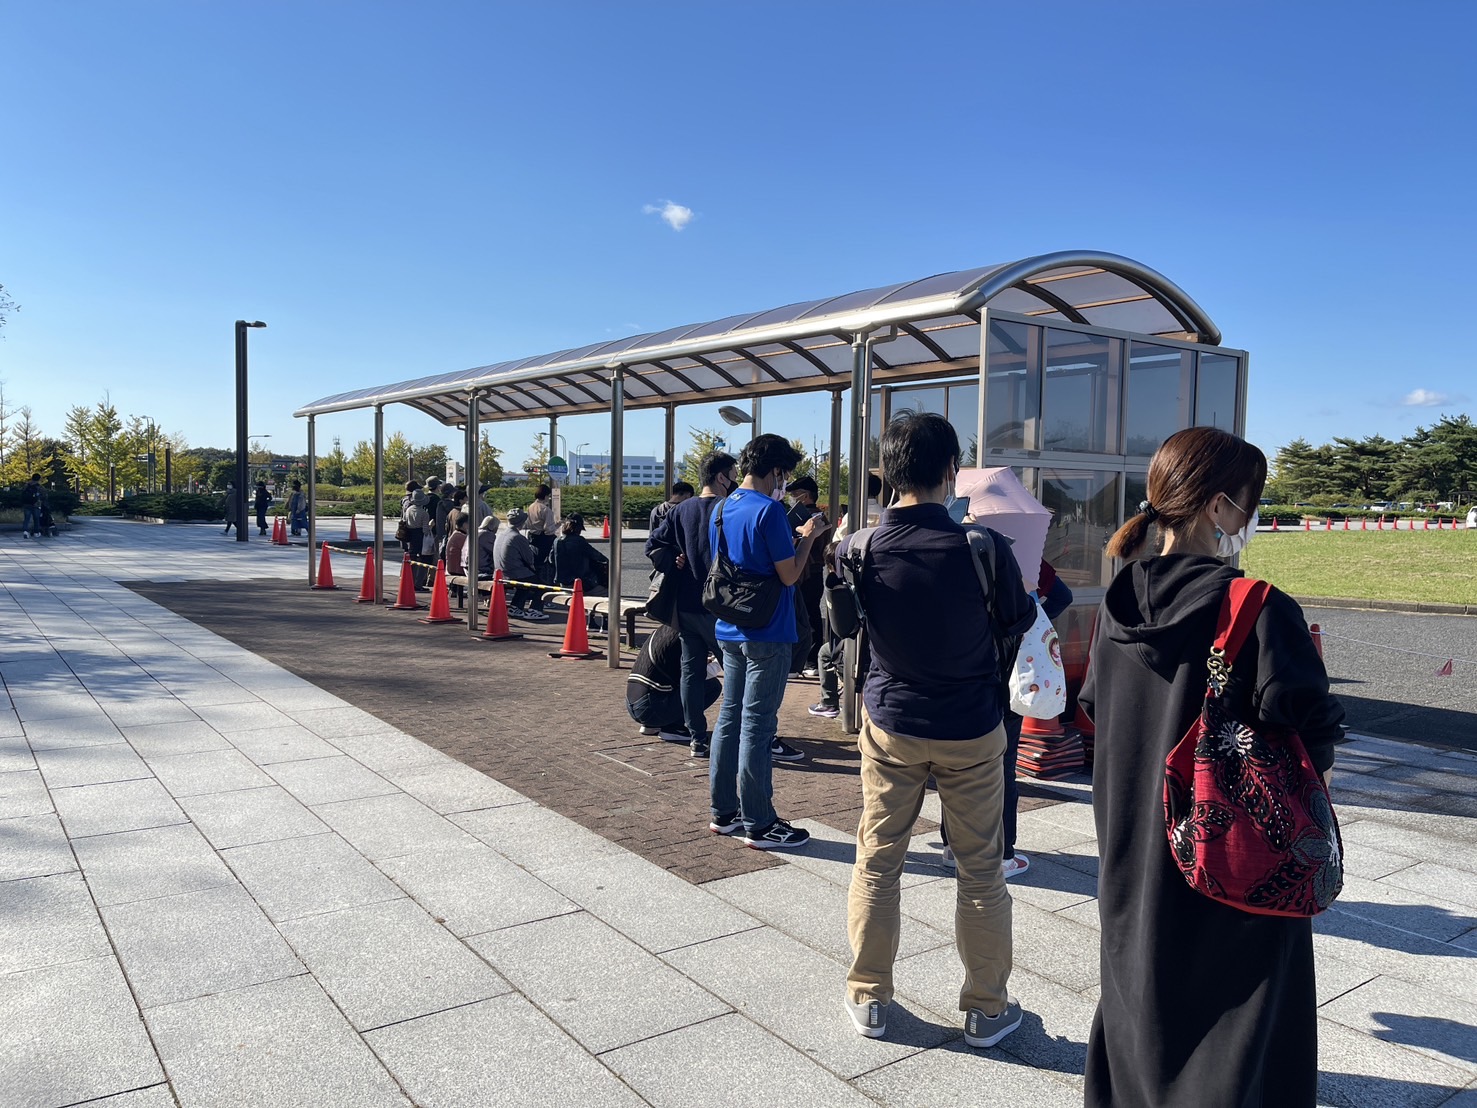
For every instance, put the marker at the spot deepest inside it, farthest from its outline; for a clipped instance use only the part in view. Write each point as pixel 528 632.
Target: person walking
pixel 263 502
pixel 31 507
pixel 679 546
pixel 932 704
pixel 297 508
pixel 755 535
pixel 232 512
pixel 1202 1005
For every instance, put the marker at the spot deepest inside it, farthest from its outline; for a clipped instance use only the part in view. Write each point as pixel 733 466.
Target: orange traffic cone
pixel 325 572
pixel 1274 523
pixel 1426 526
pixel 1307 524
pixel 576 638
pixel 605 530
pixel 279 532
pixel 366 587
pixel 1364 524
pixel 354 528
pixel 405 600
pixel 497 613
pixel 440 598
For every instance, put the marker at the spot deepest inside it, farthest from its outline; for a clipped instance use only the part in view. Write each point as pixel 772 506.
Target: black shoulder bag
pixel 734 594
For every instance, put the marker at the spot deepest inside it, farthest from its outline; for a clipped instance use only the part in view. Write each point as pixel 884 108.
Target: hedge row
pixel 1292 513
pixel 62 502
pixel 177 505
pixel 591 501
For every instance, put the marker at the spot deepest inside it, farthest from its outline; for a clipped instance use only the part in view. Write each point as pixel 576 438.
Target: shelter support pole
pixel 379 503
pixel 554 436
pixel 312 499
pixel 984 400
pixel 856 508
pixel 617 508
pixel 833 506
pixel 756 410
pixel 669 455
pixel 474 481
pixel 243 465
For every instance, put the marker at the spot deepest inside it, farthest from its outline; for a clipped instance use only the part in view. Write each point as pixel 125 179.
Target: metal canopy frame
pixel 932 327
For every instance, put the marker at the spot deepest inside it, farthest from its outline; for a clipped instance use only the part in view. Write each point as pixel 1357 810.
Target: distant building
pixel 639 469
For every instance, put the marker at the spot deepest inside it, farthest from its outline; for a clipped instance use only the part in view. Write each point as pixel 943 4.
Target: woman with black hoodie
pixel 1203 1005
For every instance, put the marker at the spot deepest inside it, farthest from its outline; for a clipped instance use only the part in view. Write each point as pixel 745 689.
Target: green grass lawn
pixel 1438 567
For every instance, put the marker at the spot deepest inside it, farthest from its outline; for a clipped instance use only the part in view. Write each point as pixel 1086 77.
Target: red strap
pixel 1243 603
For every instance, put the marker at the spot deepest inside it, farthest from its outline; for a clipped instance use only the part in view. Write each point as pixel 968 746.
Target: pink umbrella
pixel 998 500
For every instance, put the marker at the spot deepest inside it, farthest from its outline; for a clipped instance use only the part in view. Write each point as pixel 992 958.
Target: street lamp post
pixel 242 462
pixel 575 460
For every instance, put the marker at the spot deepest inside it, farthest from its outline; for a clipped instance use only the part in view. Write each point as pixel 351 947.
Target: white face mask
pixel 778 492
pixel 1228 546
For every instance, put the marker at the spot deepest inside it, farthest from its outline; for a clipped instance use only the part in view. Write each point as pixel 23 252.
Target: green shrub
pixel 63 502
pixel 179 505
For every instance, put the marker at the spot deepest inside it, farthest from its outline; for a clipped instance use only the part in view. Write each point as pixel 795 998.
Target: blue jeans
pixel 739 768
pixel 30 519
pixel 695 629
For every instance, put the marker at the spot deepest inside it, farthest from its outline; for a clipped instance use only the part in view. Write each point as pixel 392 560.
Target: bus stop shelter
pixel 1071 367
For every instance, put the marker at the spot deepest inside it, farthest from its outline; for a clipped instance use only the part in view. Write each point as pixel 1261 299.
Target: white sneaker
pixel 1014 867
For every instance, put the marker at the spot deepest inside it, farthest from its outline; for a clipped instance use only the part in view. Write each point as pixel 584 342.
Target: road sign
pixel 558 467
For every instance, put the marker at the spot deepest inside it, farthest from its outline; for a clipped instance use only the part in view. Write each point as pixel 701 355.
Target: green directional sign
pixel 558 467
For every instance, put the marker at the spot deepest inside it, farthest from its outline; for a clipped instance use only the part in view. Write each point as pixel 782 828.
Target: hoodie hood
pixel 1164 605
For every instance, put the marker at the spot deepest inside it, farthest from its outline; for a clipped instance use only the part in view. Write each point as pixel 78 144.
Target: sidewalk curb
pixel 1420 607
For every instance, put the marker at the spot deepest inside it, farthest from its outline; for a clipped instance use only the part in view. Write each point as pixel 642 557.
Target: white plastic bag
pixel 1038 684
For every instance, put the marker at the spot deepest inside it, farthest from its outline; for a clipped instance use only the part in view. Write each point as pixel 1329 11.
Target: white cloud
pixel 677 216
pixel 1424 398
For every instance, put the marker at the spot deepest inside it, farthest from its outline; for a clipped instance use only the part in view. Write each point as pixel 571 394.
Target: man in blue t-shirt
pixel 756 660
pixel 932 701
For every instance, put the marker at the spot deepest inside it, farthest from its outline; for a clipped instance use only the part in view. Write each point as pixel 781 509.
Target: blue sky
pixel 405 189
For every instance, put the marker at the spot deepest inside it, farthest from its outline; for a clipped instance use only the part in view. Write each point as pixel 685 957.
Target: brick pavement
pixel 557 732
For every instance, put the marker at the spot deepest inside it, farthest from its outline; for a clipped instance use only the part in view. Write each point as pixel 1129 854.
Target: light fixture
pixel 735 417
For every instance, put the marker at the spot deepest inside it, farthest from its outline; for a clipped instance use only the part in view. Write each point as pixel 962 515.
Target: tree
pixel 27 451
pixel 8 306
pixel 1439 463
pixel 1362 467
pixel 704 441
pixel 537 462
pixel 95 448
pixel 489 462
pixel 331 467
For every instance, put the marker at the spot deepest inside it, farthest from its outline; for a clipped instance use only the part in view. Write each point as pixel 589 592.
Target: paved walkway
pixel 222 885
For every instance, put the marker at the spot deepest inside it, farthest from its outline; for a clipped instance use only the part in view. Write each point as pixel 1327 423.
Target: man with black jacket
pixel 679 547
pixel 933 702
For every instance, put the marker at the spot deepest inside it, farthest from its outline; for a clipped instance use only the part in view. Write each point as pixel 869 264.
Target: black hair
pixel 716 463
pixel 917 450
pixel 297 484
pixel 768 453
pixel 804 484
pixel 682 488
pixel 874 486
pixel 573 525
pixel 542 492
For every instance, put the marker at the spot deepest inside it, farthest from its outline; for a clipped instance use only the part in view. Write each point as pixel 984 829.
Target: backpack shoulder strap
pixel 982 557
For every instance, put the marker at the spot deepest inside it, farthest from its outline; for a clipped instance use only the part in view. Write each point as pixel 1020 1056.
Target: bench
pixel 594 605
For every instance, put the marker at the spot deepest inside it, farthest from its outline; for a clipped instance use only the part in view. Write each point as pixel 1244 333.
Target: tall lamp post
pixel 243 469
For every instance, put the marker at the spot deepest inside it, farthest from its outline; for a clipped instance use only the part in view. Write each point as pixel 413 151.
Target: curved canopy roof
pixel 807 346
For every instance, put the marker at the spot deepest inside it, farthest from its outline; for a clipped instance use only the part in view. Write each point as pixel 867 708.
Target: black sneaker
pixel 726 825
pixel 779 835
pixel 698 748
pixel 824 710
pixel 781 751
pixel 676 735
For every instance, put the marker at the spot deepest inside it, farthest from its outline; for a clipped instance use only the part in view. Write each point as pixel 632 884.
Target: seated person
pixel 575 559
pixel 653 691
pixel 487 546
pixel 456 546
pixel 514 555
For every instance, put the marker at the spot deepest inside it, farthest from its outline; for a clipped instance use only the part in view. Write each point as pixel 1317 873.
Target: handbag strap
pixel 1239 610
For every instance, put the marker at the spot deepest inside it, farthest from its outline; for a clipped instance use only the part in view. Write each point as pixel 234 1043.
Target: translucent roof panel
pixel 806 345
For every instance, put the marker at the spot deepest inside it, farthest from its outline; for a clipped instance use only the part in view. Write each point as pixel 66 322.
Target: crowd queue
pixel 1206 1002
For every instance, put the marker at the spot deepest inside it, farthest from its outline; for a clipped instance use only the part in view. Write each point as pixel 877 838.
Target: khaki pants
pixel 970 778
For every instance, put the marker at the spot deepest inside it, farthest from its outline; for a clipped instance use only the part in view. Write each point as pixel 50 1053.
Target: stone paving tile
pixel 284 1040
pixel 1359 1072
pixel 128 711
pixel 73 704
pixel 453 787
pixel 1051 886
pixel 728 1060
pixel 90 765
pixel 797 993
pixel 1444 968
pixel 534 837
pixel 157 861
pixel 200 692
pixel 212 771
pixel 1335 977
pixel 831 854
pixel 179 947
pixel 248 716
pixel 163 740
pixel 340 722
pixel 651 906
pixel 386 963
pixel 115 806
pixel 72 731
pixel 326 780
pixel 34 846
pixel 1432 880
pixel 55 1051
pixel 813 910
pixel 291 743
pixel 246 816
pixel 1366 861
pixel 502 1052
pixel 579 972
pixel 48 921
pixel 1391 1011
pixel 381 827
pixel 392 753
pixel 957 1074
pixel 305 876
pixel 1394 906
pixel 472 889
pixel 155 1096
pixel 23 793
pixel 15 754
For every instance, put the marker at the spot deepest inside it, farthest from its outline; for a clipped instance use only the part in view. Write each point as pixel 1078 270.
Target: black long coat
pixel 1203 1006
